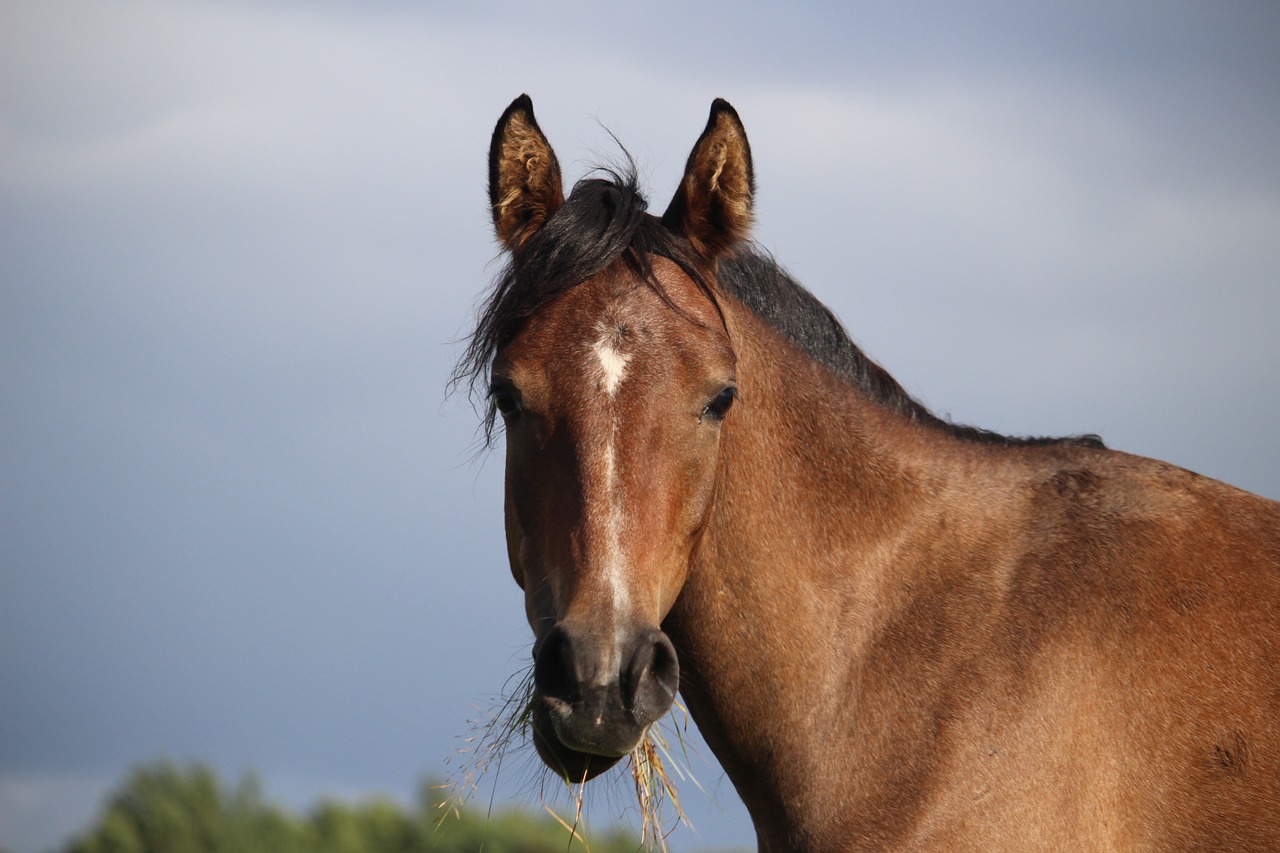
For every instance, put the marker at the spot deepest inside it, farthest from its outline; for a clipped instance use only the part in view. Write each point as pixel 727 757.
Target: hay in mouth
pixel 509 725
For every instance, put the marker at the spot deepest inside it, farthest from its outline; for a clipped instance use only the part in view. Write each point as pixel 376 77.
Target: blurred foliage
pixel 165 808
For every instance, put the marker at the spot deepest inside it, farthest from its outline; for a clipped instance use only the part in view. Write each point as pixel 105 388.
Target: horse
pixel 894 632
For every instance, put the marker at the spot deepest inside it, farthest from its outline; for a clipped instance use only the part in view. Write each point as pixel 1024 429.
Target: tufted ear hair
pixel 712 207
pixel 524 175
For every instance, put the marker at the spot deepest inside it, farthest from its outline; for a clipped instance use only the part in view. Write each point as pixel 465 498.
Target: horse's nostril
pixel 555 672
pixel 650 681
pixel 586 688
pixel 666 666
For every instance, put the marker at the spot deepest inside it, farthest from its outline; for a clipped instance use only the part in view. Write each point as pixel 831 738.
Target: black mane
pixel 761 285
pixel 603 220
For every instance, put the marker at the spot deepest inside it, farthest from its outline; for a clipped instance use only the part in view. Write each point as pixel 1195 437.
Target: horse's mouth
pixel 572 763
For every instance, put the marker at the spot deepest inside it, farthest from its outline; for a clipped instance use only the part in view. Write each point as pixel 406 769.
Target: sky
pixel 241 522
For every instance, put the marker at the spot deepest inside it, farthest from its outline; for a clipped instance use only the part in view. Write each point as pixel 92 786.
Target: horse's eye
pixel 506 401
pixel 719 406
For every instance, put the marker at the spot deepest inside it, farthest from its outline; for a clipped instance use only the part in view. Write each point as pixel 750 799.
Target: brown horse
pixel 895 633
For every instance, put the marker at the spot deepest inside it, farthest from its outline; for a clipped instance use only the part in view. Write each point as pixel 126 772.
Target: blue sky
pixel 238 241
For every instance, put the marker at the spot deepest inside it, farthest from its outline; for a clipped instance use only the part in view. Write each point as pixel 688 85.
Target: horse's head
pixel 612 370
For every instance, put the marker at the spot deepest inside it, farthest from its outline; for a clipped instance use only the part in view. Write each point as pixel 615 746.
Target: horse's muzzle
pixel 593 704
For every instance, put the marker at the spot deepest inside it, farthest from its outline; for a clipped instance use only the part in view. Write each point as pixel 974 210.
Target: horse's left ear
pixel 524 175
pixel 712 207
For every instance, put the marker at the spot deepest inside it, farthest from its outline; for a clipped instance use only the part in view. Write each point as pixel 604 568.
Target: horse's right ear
pixel 524 176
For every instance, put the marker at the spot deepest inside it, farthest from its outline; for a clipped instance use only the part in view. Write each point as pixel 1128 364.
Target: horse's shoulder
pixel 1111 541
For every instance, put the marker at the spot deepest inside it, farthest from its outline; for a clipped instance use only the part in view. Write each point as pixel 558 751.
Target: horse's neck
pixel 821 492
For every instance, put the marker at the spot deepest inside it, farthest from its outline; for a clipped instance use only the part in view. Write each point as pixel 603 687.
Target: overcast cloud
pixel 239 521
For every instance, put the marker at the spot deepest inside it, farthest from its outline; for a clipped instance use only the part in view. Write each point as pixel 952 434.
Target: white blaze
pixel 613 562
pixel 613 364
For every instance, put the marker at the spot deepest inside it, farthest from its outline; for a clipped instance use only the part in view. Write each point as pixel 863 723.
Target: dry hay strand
pixel 653 766
pixel 507 723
